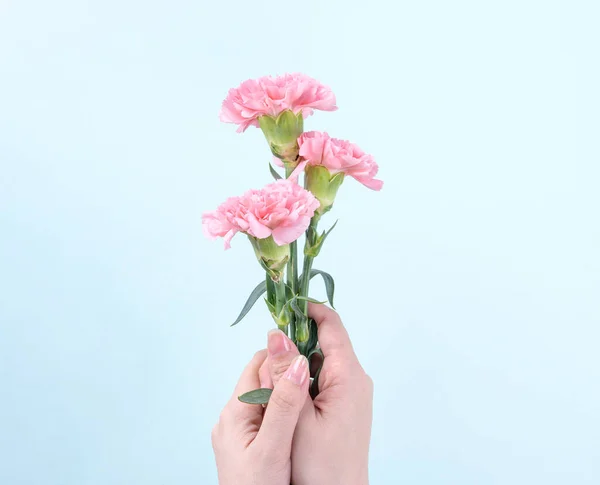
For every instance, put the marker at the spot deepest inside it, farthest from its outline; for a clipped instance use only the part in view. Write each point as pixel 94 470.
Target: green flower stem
pixel 302 330
pixel 292 267
pixel 280 301
pixel 292 282
pixel 304 282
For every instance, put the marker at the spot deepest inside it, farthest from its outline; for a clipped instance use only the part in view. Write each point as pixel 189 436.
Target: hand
pixel 331 443
pixel 252 447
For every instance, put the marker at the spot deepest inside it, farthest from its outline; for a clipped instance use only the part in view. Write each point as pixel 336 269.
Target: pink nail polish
pixel 297 371
pixel 278 342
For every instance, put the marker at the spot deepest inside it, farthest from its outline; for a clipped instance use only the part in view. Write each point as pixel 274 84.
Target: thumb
pixel 281 352
pixel 282 413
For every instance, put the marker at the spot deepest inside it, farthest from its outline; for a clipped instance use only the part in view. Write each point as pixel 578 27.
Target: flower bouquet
pixel 275 217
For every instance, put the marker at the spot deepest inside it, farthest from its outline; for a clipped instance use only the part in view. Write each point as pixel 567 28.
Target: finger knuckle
pixel 261 354
pixel 279 366
pixel 332 317
pixel 262 455
pixel 283 401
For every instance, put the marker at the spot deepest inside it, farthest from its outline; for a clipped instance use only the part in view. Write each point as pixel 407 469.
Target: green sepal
pixel 272 257
pixel 336 181
pixel 257 396
pixel 274 270
pixel 283 319
pixel 323 185
pixel 271 307
pixel 282 133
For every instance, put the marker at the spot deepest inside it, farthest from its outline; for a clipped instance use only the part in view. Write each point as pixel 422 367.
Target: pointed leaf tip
pixel 256 293
pixel 274 173
pixel 331 228
pixel 328 280
pixel 311 300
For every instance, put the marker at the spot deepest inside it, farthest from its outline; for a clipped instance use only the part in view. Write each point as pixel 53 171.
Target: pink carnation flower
pixel 272 95
pixel 282 209
pixel 318 148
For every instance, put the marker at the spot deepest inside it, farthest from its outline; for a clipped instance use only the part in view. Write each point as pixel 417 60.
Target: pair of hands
pixel 296 439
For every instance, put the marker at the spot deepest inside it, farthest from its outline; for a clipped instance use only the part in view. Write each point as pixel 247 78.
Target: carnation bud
pixel 272 257
pixel 282 134
pixel 302 332
pixel 283 319
pixel 323 185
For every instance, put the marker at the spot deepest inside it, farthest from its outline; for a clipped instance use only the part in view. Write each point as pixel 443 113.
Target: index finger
pixel 248 381
pixel 333 337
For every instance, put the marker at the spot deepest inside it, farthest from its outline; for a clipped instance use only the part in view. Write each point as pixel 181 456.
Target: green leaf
pixel 312 300
pixel 258 396
pixel 289 293
pixel 331 229
pixel 312 337
pixel 256 293
pixel 274 173
pixel 302 330
pixel 328 280
pixel 270 290
pixel 268 270
pixel 294 305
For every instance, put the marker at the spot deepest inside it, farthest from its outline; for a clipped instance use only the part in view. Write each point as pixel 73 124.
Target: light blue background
pixel 470 284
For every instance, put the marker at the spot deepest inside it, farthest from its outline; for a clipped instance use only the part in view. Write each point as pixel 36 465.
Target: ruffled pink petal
pixel 282 209
pixel 273 95
pixel 206 230
pixel 277 161
pixel 257 229
pixel 373 184
pixel 287 234
pixel 227 238
pixel 318 148
pixel 297 171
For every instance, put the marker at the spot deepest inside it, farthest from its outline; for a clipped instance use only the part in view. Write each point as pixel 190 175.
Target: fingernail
pixel 278 342
pixel 298 370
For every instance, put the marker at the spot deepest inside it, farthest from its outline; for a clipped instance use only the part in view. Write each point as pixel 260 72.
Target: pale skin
pixel 295 439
